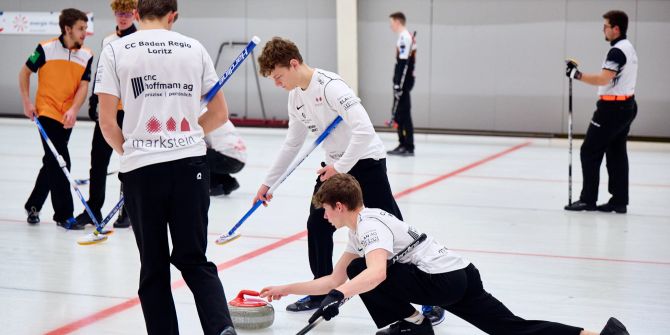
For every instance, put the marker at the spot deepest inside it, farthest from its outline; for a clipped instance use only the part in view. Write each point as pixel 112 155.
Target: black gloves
pixel 330 306
pixel 571 69
pixel 397 92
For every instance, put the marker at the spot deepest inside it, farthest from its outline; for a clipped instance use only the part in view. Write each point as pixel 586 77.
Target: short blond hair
pixel 123 6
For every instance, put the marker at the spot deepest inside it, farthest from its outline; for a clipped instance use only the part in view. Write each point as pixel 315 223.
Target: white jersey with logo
pixel 109 39
pixel 621 59
pixel 160 76
pixel 405 44
pixel 311 111
pixel 226 141
pixel 378 229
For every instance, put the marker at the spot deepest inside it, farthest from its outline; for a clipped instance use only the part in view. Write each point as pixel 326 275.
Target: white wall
pixel 491 65
pixel 497 65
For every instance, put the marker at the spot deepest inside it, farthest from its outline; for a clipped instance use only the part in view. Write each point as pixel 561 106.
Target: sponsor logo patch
pixel 369 238
pixel 34 57
pixel 348 100
pixel 156 88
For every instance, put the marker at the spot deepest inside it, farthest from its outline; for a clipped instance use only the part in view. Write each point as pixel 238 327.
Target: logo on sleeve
pixel 413 232
pixel 34 57
pixel 348 100
pixel 98 75
pixel 369 238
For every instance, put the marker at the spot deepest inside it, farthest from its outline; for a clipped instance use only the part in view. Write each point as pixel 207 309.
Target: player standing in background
pixel 101 152
pixel 64 66
pixel 615 111
pixel 403 82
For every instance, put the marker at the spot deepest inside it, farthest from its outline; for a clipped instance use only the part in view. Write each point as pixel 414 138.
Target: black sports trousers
pixel 51 177
pixel 174 195
pixel 403 116
pixel 606 136
pixel 460 292
pixel 101 153
pixel 371 175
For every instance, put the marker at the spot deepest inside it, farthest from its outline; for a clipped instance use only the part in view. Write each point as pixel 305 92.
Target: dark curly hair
pixel 277 52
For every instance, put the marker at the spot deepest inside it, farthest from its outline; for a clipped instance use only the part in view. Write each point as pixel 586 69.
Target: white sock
pixel 416 318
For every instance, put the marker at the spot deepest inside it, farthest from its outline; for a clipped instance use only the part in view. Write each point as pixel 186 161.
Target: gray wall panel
pixel 481 65
pixel 463 70
pixel 376 61
pixel 321 36
pixel 288 23
pixel 498 65
pixel 529 60
pixel 652 42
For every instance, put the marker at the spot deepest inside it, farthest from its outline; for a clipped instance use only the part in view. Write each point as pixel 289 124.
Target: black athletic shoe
pixel 434 313
pixel 408 328
pixel 84 218
pixel 608 207
pixel 216 190
pixel 307 303
pixel 229 331
pixel 224 188
pixel 614 327
pixel 398 151
pixel 122 221
pixel 230 186
pixel 580 206
pixel 70 224
pixel 407 153
pixel 33 215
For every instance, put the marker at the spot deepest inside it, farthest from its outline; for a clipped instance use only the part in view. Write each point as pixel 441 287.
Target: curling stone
pixel 249 312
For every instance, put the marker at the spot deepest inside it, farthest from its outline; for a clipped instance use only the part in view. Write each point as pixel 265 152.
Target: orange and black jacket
pixel 61 70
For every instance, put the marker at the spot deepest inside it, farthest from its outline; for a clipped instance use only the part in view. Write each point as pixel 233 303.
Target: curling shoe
pixel 404 327
pixel 579 206
pixel 614 327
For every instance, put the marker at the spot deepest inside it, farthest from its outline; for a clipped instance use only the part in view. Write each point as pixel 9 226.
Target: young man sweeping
pixel 316 98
